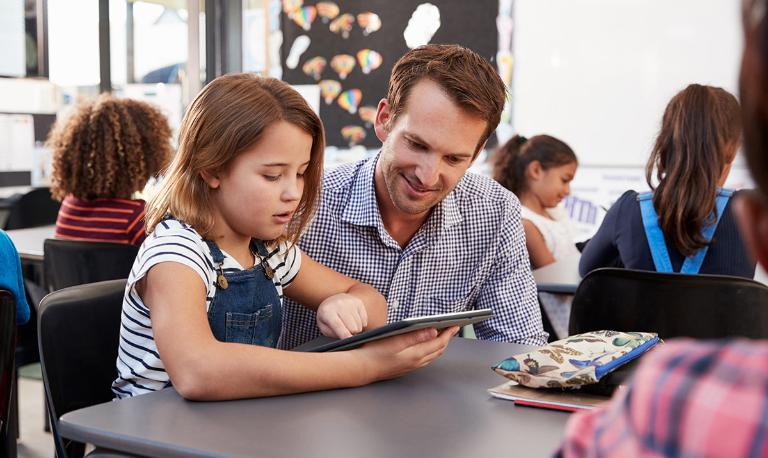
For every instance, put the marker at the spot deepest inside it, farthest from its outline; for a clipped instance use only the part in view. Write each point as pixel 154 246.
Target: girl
pixel 104 153
pixel 685 224
pixel 202 307
pixel 539 171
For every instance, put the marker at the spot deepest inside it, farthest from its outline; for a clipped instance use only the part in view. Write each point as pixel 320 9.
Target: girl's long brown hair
pixel 699 136
pixel 226 118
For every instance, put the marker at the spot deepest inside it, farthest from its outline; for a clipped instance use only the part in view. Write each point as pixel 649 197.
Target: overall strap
pixel 653 233
pixel 656 243
pixel 693 263
pixel 218 256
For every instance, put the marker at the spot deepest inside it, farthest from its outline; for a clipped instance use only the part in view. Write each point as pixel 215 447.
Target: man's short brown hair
pixel 467 78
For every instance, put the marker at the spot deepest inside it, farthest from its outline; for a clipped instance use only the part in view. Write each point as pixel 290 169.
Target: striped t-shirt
pixel 139 366
pixel 101 220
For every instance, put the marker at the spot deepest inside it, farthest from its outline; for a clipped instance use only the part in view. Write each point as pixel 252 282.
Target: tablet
pixel 445 320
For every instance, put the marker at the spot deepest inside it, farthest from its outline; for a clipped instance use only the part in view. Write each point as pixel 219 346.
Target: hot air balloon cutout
pixel 329 89
pixel 290 7
pixel 327 11
pixel 343 24
pixel 314 67
pixel 369 22
pixel 369 60
pixel 367 114
pixel 353 134
pixel 343 64
pixel 304 16
pixel 349 100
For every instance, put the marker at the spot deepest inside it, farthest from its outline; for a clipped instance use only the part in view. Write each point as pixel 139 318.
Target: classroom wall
pixel 600 72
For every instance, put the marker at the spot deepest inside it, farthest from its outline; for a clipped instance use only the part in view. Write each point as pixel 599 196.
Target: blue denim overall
pixel 248 309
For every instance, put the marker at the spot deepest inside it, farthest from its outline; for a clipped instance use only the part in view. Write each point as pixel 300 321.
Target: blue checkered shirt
pixel 469 254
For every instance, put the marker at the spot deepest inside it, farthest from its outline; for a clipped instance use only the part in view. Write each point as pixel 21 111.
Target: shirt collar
pixel 363 210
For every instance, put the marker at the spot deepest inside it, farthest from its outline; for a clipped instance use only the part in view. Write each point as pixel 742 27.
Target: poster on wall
pixel 348 48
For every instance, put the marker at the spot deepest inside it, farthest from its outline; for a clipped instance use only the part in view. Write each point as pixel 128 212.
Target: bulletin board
pixel 371 33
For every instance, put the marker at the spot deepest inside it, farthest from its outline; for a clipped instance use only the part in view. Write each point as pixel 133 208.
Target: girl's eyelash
pixel 272 177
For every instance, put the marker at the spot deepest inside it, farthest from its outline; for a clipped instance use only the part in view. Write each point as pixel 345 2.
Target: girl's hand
pixel 341 316
pixel 394 356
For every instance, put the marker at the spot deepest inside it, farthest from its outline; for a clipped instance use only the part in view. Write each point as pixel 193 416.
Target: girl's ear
pixel 534 170
pixel 211 179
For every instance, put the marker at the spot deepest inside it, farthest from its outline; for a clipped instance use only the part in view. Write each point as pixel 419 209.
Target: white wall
pixel 598 73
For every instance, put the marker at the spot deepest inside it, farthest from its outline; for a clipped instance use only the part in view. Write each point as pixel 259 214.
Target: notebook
pixel 441 321
pixel 569 401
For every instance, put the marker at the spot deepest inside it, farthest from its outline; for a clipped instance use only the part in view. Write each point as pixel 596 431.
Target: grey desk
pixel 559 277
pixel 29 242
pixel 442 410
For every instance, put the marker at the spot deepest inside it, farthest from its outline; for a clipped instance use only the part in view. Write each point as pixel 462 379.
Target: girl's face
pixel 550 186
pixel 258 193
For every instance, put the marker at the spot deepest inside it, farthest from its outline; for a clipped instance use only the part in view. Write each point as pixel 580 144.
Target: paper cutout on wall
pixel 504 25
pixel 367 114
pixel 300 44
pixel 314 67
pixel 329 89
pixel 343 24
pixel 290 7
pixel 327 11
pixel 349 100
pixel 353 134
pixel 504 64
pixel 343 64
pixel 369 60
pixel 369 22
pixel 422 25
pixel 304 17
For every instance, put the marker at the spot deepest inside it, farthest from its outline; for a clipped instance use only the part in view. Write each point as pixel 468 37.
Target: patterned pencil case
pixel 577 360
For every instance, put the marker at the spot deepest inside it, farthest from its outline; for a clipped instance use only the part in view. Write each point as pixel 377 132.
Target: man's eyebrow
pixel 415 138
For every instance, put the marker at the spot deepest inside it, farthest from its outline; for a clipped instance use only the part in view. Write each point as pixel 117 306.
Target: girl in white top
pixel 202 307
pixel 539 171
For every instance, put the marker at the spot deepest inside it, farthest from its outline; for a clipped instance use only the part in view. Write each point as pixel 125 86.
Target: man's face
pixel 427 149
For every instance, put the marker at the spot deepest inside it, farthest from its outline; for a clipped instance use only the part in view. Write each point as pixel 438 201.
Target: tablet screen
pixel 441 321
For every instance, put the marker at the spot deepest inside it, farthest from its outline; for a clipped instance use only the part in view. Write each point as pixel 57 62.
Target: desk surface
pixel 440 410
pixel 29 242
pixel 561 276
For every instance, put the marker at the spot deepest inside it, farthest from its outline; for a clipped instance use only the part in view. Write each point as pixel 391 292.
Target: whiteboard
pixel 598 73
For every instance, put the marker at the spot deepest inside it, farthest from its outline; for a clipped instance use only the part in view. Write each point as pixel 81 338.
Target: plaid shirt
pixel 688 399
pixel 469 254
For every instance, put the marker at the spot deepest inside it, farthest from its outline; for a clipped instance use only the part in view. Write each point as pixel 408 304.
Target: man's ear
pixel 212 179
pixel 752 215
pixel 381 123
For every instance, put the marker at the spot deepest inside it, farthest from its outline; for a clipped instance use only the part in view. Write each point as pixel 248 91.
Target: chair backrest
pixel 7 351
pixel 78 332
pixel 35 208
pixel 74 262
pixel 670 304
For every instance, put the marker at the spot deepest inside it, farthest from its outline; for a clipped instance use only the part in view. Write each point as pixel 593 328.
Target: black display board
pixel 469 23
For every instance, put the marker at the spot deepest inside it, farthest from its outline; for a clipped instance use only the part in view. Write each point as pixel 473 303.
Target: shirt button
pixel 393 304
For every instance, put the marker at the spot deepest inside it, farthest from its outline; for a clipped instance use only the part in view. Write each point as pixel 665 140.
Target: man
pixel 409 221
pixel 701 399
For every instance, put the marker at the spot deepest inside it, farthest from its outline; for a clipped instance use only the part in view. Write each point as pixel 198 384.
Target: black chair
pixel 7 370
pixel 79 330
pixel 670 304
pixel 35 208
pixel 73 262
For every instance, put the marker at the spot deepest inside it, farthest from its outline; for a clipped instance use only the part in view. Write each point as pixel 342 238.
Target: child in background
pixel 539 171
pixel 686 223
pixel 202 308
pixel 104 152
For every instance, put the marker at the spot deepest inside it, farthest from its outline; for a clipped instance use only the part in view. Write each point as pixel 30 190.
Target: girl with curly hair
pixel 103 153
